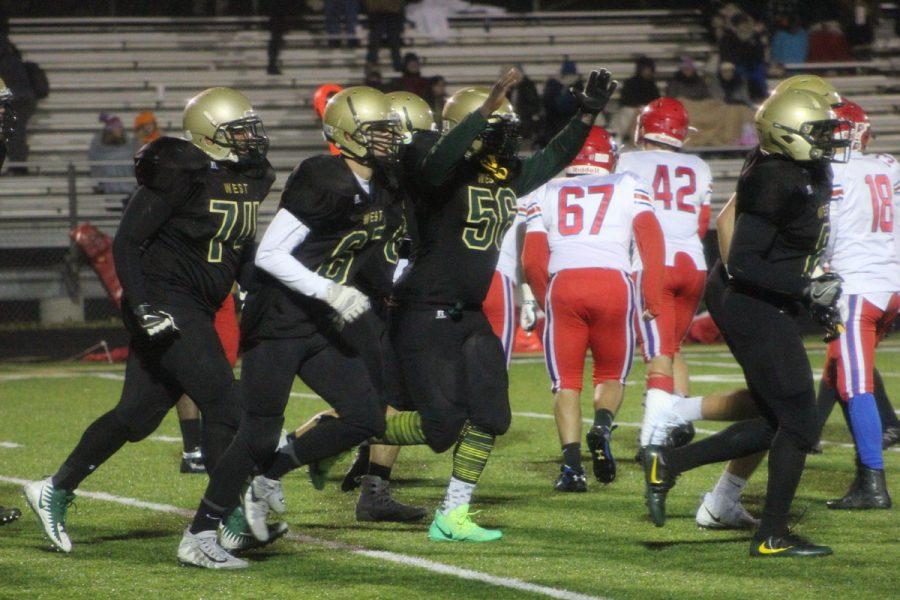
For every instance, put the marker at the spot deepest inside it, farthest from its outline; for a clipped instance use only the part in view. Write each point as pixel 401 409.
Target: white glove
pixel 529 313
pixel 348 302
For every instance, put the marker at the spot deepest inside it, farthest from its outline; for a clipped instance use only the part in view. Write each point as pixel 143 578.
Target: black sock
pixel 100 440
pixel 786 462
pixel 207 517
pixel 825 400
pixel 740 439
pixel 380 471
pixel 885 410
pixel 328 438
pixel 572 455
pixel 190 434
pixel 603 418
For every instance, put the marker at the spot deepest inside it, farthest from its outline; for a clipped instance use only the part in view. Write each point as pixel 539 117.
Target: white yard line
pixel 10 445
pixel 545 416
pixel 394 557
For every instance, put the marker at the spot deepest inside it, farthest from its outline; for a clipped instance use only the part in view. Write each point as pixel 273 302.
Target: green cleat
pixel 318 471
pixel 658 481
pixel 457 526
pixel 235 535
pixel 51 504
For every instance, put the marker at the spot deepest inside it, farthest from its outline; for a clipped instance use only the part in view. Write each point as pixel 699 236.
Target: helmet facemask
pixel 829 139
pixel 245 137
pixel 381 140
pixel 501 138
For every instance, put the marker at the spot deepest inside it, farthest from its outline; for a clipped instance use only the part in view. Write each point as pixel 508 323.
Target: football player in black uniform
pixel 186 235
pixel 781 229
pixel 7 118
pixel 303 318
pixel 464 191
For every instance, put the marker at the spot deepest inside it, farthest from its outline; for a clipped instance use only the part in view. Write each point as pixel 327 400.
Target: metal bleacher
pixel 124 66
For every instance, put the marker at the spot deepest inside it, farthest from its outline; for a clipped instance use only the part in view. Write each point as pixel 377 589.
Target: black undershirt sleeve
pixel 145 213
pixel 747 264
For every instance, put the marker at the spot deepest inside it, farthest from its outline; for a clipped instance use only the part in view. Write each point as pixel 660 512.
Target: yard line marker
pixel 387 556
pixel 165 438
pixel 10 445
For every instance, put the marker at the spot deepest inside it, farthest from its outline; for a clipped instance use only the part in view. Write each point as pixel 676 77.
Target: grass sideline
pixel 595 544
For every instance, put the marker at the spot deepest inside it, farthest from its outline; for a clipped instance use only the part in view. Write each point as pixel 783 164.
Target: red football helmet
pixel 664 121
pixel 322 95
pixel 597 156
pixel 859 123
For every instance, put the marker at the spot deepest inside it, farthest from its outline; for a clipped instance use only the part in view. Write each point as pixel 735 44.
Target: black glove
pixel 822 291
pixel 596 93
pixel 157 324
pixel 820 297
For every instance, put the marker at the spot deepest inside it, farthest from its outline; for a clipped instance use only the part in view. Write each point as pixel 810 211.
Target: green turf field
pixel 598 544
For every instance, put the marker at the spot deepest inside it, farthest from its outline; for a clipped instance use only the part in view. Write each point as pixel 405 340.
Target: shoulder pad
pixel 165 162
pixel 324 171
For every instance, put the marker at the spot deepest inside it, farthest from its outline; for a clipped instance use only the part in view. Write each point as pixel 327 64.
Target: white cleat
pixel 262 495
pixel 50 505
pixel 203 550
pixel 733 516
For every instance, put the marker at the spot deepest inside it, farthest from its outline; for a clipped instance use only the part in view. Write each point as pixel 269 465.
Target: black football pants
pixel 156 375
pixel 333 371
pixel 454 370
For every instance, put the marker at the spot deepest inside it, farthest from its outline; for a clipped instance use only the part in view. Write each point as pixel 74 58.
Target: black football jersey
pixel 348 228
pixel 194 257
pixel 793 198
pixel 459 218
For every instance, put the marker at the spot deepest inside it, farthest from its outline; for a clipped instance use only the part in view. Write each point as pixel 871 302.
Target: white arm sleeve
pixel 273 256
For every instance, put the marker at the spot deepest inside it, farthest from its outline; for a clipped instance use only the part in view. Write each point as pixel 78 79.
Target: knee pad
pixel 497 424
pixel 370 421
pixel 225 412
pixel 138 427
pixel 260 435
pixel 441 436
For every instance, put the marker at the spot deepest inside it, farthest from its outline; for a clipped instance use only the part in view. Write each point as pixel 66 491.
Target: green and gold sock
pixel 471 453
pixel 403 429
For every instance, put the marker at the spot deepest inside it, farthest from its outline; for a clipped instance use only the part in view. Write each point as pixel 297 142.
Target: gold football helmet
pixel 222 123
pixel 813 84
pixel 801 125
pixel 413 112
pixel 500 138
pixel 360 123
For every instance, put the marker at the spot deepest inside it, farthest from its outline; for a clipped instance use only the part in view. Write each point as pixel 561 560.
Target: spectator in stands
pixel 385 24
pixel 437 96
pixel 110 145
pixel 283 16
pixel 527 102
pixel 828 44
pixel 687 83
pixel 640 89
pixel 372 78
pixel 337 13
pixel 729 87
pixel 860 25
pixel 411 79
pixel 14 73
pixel 559 103
pixel 790 43
pixel 146 129
pixel 745 47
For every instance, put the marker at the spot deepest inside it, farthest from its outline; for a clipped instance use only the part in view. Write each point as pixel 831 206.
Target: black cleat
pixel 192 462
pixel 890 437
pixel 788 545
pixel 682 435
pixel 598 443
pixel 376 503
pixel 570 480
pixel 868 491
pixel 8 515
pixel 359 468
pixel 658 481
